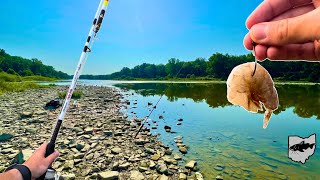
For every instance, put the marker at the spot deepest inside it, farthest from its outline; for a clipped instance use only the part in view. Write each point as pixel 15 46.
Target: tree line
pixel 218 66
pixel 299 97
pixel 27 67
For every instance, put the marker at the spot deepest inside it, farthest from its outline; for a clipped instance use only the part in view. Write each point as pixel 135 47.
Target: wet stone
pixel 283 177
pixel 219 177
pixel 199 176
pixel 217 168
pixel 190 164
pixel 183 150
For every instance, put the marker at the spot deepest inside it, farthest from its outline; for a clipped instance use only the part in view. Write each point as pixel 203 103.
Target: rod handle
pixel 49 150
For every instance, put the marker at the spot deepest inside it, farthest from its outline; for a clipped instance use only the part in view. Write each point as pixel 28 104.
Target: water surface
pixel 227 140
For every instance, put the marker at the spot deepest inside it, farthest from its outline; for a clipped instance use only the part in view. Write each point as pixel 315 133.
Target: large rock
pixel 116 150
pixel 69 177
pixel 142 169
pixel 183 149
pixel 7 151
pixel 149 150
pixel 78 155
pixel 88 130
pixel 155 157
pixel 161 168
pixel 69 164
pixel 136 175
pixel 191 164
pixel 152 164
pixel 164 177
pixel 182 176
pixel 177 157
pixel 107 133
pixel 168 159
pixel 124 166
pixel 199 176
pixel 109 175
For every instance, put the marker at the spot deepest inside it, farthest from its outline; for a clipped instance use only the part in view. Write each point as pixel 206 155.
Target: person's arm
pixel 13 174
pixel 37 164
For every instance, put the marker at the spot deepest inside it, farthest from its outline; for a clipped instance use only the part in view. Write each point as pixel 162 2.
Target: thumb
pixel 301 29
pixel 52 157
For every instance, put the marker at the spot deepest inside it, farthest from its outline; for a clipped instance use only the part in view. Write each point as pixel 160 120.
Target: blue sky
pixel 133 32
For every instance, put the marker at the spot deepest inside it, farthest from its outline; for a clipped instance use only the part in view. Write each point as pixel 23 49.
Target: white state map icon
pixel 300 149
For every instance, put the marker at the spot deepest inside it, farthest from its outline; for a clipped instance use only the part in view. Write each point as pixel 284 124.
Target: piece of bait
pixel 252 92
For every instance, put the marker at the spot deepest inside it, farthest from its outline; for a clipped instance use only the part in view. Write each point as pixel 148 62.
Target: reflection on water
pixel 305 99
pixel 227 140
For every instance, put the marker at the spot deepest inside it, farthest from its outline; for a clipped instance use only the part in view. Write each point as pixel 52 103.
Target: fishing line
pixel 254 44
pixel 154 107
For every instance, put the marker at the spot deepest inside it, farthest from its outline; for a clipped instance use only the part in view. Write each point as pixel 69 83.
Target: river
pixel 224 139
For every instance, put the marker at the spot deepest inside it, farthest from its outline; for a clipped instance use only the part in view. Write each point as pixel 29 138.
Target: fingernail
pixel 259 31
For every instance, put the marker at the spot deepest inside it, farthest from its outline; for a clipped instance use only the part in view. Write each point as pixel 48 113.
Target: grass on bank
pixel 18 86
pixel 38 78
pixel 75 95
pixel 16 83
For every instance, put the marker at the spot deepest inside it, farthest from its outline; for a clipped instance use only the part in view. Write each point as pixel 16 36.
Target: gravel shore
pixel 96 140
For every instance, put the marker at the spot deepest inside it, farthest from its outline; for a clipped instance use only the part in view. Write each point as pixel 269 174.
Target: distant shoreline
pixel 177 81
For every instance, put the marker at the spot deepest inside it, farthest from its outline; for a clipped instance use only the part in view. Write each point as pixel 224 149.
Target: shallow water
pixel 225 139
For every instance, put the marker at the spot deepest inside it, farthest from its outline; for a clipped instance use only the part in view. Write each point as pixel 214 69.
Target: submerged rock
pixel 199 176
pixel 167 128
pixel 183 149
pixel 191 164
pixel 219 177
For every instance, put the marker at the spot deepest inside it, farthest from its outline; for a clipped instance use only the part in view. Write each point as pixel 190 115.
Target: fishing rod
pixel 96 25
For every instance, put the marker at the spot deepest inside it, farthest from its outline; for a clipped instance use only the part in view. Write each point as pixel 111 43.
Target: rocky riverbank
pixel 96 140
